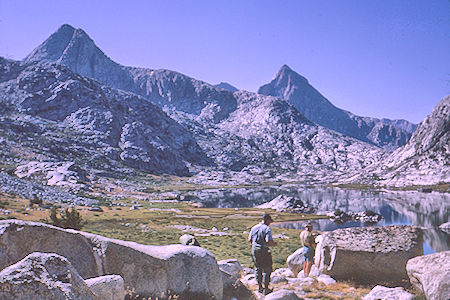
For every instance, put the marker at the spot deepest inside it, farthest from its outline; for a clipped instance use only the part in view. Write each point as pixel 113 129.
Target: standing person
pixel 261 238
pixel 308 243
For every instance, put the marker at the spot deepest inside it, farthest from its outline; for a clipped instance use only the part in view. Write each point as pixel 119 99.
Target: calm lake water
pixel 427 210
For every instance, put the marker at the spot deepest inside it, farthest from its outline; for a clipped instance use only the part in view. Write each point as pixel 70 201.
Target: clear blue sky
pixel 379 58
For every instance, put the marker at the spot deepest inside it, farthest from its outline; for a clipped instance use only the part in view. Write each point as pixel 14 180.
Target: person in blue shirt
pixel 261 238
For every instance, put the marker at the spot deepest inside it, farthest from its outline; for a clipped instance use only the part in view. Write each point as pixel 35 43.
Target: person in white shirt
pixel 261 238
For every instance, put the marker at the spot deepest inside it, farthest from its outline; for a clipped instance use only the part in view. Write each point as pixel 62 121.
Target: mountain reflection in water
pixel 426 210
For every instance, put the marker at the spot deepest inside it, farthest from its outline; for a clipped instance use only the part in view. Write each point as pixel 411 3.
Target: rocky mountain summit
pixel 294 88
pixel 74 49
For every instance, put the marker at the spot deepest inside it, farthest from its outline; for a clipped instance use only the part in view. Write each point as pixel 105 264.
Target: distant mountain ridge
pixel 295 89
pixel 69 97
pixel 240 135
pixel 227 86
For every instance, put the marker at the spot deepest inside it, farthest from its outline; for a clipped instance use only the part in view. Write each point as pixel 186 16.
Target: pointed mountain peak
pixel 54 47
pixel 285 68
pixel 65 27
pixel 286 72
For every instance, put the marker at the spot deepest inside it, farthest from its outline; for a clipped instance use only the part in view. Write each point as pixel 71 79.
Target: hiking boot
pixel 267 291
pixel 261 290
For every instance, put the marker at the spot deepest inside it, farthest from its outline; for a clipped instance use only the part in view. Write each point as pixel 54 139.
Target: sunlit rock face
pixel 431 274
pixel 88 119
pixel 149 271
pixel 296 89
pixel 370 254
pixel 425 158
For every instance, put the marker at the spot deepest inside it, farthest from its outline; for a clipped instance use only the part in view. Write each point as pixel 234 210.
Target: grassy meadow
pixel 161 223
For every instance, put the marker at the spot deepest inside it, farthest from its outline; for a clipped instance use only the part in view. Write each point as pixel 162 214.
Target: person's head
pixel 308 226
pixel 267 219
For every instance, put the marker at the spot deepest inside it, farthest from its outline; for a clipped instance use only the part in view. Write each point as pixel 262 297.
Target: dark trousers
pixel 262 258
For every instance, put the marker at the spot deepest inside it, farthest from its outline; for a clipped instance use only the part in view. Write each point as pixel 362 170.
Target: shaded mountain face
pixel 74 49
pixel 294 88
pixel 57 115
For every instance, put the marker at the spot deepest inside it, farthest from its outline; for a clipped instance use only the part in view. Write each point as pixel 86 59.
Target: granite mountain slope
pixel 240 131
pixel 295 89
pixel 424 160
pixel 54 114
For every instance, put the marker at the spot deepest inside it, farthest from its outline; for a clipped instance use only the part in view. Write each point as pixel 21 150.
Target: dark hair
pixel 267 217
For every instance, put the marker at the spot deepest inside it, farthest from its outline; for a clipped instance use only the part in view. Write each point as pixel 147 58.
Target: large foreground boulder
pixel 282 295
pixel 382 292
pixel 370 255
pixel 110 287
pixel 233 288
pixel 295 261
pixel 431 275
pixel 151 271
pixel 43 276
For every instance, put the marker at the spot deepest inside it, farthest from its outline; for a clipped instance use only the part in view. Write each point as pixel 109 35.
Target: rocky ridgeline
pixel 69 264
pixel 294 88
pixel 422 161
pixel 425 158
pixel 211 131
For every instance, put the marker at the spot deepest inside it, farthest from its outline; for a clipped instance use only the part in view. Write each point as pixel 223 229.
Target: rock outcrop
pixel 381 292
pixel 445 227
pixel 424 160
pixel 295 89
pixel 370 255
pixel 231 266
pixel 151 271
pixel 430 274
pixel 233 288
pixel 282 295
pixel 111 287
pixel 43 276
pixel 284 203
pixel 295 261
pixel 55 173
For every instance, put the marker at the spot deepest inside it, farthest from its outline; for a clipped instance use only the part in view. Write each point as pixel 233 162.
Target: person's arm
pixel 269 238
pixel 272 243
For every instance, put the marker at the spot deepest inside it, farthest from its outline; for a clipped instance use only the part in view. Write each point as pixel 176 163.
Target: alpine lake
pixel 427 209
